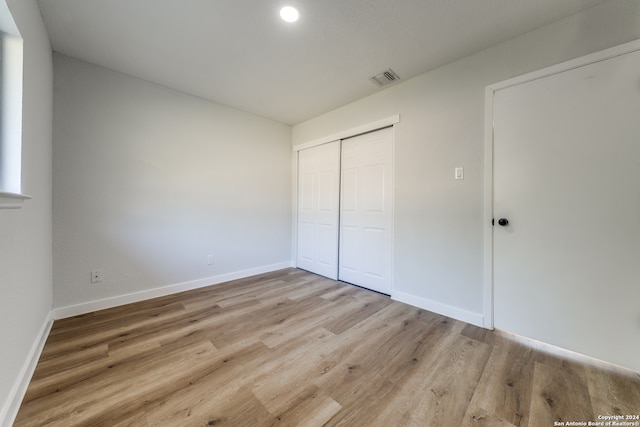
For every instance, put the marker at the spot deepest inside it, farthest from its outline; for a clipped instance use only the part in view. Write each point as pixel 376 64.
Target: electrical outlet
pixel 210 260
pixel 96 276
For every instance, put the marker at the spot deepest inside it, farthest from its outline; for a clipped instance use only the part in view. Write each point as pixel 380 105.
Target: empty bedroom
pixel 303 213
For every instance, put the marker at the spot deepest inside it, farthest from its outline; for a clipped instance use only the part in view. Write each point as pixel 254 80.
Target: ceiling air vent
pixel 385 78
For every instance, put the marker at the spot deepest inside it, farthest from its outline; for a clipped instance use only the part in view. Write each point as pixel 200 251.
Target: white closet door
pixel 318 199
pixel 366 218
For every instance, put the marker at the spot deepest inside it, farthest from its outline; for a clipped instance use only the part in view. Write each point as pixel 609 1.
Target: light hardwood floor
pixel 294 349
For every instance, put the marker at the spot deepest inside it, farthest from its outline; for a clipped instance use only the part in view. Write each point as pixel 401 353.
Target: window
pixel 10 111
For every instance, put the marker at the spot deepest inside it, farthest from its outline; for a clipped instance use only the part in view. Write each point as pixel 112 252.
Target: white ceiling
pixel 239 53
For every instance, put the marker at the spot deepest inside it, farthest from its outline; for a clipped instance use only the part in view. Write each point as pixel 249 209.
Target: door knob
pixel 503 221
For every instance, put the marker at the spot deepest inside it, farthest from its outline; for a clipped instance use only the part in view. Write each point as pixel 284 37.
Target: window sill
pixel 12 200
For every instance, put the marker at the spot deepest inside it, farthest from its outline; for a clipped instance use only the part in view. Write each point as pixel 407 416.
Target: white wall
pixel 439 221
pixel 148 182
pixel 25 234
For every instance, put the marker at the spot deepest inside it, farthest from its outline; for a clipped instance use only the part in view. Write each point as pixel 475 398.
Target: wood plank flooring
pixel 290 348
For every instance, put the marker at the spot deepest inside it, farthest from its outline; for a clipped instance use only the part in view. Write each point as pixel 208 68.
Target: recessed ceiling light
pixel 289 14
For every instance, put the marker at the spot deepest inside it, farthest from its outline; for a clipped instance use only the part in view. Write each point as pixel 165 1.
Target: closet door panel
pixel 366 220
pixel 318 206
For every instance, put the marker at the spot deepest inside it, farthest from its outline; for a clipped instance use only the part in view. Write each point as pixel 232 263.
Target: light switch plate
pixel 459 173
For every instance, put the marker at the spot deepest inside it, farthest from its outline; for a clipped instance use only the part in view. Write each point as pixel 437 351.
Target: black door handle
pixel 503 221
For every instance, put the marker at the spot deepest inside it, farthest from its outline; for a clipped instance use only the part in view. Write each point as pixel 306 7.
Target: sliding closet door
pixel 318 199
pixel 366 219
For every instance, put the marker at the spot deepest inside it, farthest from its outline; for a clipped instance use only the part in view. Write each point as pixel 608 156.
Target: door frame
pixel 339 135
pixel 490 92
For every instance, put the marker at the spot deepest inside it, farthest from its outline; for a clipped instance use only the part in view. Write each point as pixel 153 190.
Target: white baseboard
pixel 9 409
pixel 88 307
pixel 565 353
pixel 437 307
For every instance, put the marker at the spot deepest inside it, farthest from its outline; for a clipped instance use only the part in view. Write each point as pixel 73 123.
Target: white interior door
pixel 567 178
pixel 366 202
pixel 318 200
